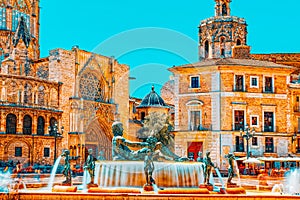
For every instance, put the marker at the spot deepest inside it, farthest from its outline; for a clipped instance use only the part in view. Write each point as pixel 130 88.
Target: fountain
pixel 292 184
pixel 166 177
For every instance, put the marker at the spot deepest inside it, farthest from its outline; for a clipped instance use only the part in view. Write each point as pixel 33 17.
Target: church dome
pixel 152 100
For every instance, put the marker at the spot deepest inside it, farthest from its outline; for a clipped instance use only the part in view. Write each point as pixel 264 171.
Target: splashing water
pixel 220 177
pixel 131 173
pixel 86 180
pixel 237 173
pixel 53 173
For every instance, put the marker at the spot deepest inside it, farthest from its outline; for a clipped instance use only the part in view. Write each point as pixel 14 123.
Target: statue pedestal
pixel 148 188
pixel 65 184
pixel 231 185
pixel 90 185
pixel 64 188
pixel 207 186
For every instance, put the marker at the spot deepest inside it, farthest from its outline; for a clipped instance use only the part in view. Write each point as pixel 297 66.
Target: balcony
pixel 201 127
pixel 269 128
pixel 268 90
pixel 238 88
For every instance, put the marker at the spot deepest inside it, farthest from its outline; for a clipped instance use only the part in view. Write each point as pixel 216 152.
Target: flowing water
pixel 237 173
pixel 220 177
pixel 131 173
pixel 53 173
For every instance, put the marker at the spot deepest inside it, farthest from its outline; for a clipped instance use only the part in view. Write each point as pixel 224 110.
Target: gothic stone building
pixel 67 100
pixel 229 90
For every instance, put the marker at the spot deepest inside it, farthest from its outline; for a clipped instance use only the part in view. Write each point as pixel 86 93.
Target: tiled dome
pixel 152 100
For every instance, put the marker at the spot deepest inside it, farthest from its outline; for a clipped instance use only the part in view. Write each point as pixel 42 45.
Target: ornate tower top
pixel 222 8
pixel 219 35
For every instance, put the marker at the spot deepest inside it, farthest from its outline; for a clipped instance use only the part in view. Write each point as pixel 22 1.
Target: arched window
pixel 2 17
pixel 206 49
pixel 53 126
pixel 223 52
pixel 27 125
pixel 11 124
pixel 40 126
pixel 224 10
pixel 41 95
pixel 27 93
pixel 238 42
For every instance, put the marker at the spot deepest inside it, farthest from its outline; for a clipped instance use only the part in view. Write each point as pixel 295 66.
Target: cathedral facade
pixel 67 100
pixel 231 100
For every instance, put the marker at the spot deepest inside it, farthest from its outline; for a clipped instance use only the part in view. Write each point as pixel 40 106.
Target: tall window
pixel 268 84
pixel 269 145
pixel 11 124
pixel 27 93
pixel 195 120
pixel 224 10
pixel 2 18
pixel 195 82
pixel 46 152
pixel 239 144
pixel 41 96
pixel 40 126
pixel 27 125
pixel 239 120
pixel 268 122
pixel 239 83
pixel 206 49
pixel 238 42
pixel 16 17
pixel 53 121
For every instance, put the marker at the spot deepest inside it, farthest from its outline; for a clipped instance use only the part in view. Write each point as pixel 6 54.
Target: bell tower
pixel 218 35
pixel 222 7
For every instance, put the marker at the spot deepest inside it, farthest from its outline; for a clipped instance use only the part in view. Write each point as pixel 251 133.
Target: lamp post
pixel 53 131
pixel 247 135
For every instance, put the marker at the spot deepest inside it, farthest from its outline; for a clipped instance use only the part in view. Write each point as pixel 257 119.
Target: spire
pixel 222 7
pixel 22 32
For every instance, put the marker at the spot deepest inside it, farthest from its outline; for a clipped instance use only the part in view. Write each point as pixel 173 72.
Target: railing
pixel 238 88
pixel 238 127
pixel 269 128
pixel 201 127
pixel 268 90
pixel 28 105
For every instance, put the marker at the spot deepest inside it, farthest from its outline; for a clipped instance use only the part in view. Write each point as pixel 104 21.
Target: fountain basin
pixel 131 173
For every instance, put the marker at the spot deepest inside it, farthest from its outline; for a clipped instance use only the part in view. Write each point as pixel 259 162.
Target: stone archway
pixel 98 139
pixel 13 149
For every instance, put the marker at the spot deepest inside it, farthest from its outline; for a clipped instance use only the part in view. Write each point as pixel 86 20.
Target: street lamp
pixel 247 135
pixel 53 131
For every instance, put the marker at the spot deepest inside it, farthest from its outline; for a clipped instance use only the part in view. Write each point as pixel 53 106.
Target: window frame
pixel 21 150
pixel 257 121
pixel 49 151
pixel 191 81
pixel 257 81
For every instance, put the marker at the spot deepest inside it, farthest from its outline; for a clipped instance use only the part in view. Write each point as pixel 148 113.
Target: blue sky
pixel 151 36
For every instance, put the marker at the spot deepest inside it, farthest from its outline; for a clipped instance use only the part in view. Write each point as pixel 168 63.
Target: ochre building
pixel 230 93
